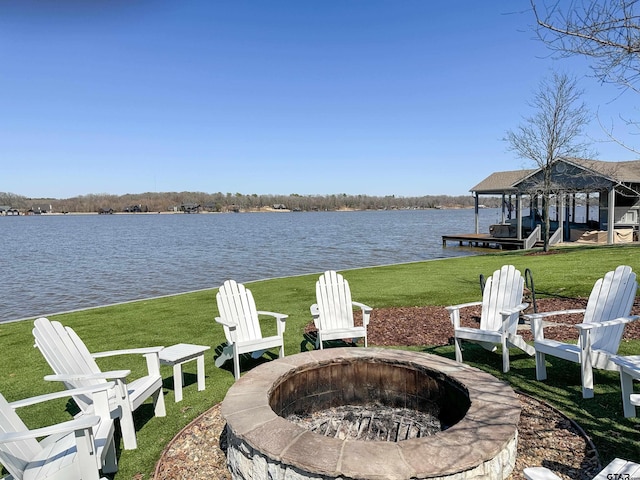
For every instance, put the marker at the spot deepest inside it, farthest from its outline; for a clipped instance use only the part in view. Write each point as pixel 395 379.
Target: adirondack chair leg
pixel 518 342
pixel 458 345
pixel 586 365
pixel 281 355
pixel 110 459
pixel 541 367
pixel 236 364
pixel 158 404
pixel 505 357
pixel 626 385
pixel 87 461
pixel 587 379
pixel 127 428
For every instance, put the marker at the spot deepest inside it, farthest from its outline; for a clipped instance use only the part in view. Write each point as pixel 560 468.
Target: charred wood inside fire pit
pixel 370 423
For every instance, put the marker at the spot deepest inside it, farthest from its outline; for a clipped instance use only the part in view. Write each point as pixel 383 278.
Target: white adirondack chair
pixel 240 321
pixel 333 312
pixel 608 310
pixel 76 449
pixel 76 367
pixel 501 307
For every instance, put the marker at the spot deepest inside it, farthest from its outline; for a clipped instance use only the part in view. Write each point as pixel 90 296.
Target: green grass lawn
pixel 189 318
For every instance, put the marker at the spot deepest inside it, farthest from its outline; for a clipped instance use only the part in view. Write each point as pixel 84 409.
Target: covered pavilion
pixel 613 186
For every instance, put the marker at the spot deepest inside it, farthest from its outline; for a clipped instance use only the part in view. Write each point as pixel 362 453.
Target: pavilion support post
pixel 611 216
pixel 518 217
pixel 586 206
pixel 569 216
pixel 561 219
pixel 477 213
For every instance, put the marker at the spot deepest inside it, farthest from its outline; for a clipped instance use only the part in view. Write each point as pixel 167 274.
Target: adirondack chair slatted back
pixel 236 305
pixel 503 290
pixel 611 297
pixel 66 353
pixel 333 298
pixel 15 455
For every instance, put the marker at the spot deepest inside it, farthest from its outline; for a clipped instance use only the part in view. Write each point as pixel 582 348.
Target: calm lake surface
pixel 56 263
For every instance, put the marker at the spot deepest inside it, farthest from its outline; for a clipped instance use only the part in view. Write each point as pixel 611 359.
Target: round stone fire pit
pixel 363 413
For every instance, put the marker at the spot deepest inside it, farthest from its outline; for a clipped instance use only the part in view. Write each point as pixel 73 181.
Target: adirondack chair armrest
pixel 454 312
pixel 315 314
pixel 531 316
pixel 463 305
pixel 128 351
pixel 537 323
pixel 99 387
pixel 226 323
pixel 83 422
pixel 366 312
pixel 608 323
pixel 113 374
pixel 280 318
pixel 516 309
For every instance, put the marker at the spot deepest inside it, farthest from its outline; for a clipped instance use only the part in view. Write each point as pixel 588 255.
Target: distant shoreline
pixel 252 210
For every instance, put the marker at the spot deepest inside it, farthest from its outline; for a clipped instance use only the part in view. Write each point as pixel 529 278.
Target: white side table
pixel 629 370
pixel 181 353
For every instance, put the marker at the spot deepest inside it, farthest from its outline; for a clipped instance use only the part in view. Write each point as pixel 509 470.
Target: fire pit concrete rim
pixel 489 426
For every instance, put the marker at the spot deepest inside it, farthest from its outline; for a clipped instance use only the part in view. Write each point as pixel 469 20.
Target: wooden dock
pixel 483 240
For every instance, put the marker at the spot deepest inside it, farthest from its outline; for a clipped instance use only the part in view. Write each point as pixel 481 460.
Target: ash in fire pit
pixel 369 423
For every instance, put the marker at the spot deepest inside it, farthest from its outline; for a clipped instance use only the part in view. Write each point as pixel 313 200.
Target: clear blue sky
pixel 406 97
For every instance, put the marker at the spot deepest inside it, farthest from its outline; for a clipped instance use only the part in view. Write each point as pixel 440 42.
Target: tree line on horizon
pixel 224 202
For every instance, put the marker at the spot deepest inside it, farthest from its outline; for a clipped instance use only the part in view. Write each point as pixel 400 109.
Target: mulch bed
pixel 545 435
pixel 432 326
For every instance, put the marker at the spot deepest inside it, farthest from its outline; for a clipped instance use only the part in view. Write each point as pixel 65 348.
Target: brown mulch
pixel 545 435
pixel 432 326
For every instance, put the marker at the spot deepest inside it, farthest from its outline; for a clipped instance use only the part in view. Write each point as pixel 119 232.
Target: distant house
pixel 211 207
pixel 190 208
pixel 105 211
pixel 136 209
pixel 4 209
pixel 279 206
pixel 40 208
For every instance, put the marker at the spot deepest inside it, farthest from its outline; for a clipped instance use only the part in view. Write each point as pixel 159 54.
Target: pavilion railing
pixel 532 239
pixel 556 237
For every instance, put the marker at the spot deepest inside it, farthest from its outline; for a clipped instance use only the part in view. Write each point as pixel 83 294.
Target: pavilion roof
pixel 627 172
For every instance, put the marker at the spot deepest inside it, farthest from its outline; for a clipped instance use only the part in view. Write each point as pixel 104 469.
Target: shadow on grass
pixel 600 417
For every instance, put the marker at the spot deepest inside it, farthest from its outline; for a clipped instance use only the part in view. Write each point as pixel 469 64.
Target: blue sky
pixel 406 98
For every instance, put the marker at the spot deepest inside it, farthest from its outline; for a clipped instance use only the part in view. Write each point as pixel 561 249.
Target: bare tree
pixel 553 132
pixel 606 31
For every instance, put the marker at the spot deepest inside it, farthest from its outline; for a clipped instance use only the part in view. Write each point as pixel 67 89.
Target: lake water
pixel 56 263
